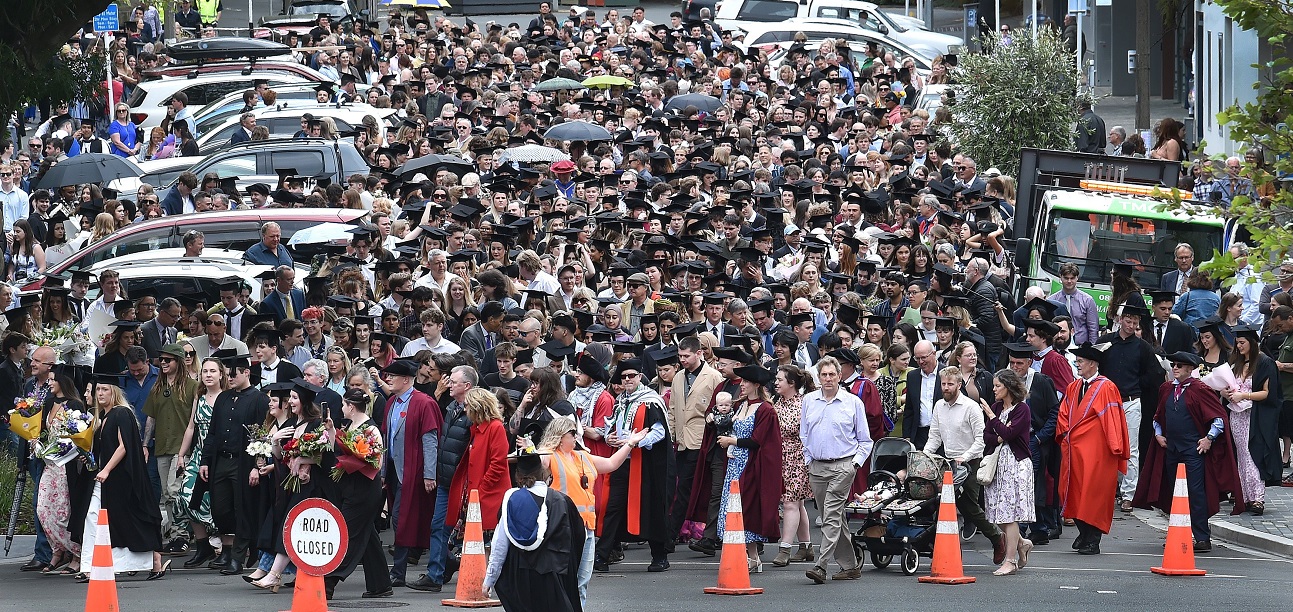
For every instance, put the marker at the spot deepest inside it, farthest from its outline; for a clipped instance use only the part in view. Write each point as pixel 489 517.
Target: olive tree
pixel 1015 95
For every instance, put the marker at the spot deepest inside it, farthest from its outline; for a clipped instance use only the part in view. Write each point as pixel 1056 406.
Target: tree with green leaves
pixel 32 67
pixel 1262 124
pixel 1021 94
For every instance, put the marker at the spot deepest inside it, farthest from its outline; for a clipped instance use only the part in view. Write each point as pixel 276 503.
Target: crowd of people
pixel 752 292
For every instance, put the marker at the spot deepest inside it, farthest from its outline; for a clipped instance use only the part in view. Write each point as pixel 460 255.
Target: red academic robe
pixel 1094 449
pixel 486 471
pixel 874 408
pixel 422 416
pixel 1221 470
pixel 761 481
pixel 603 408
pixel 1055 366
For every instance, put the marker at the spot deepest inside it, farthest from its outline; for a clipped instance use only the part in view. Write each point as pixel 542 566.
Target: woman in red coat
pixel 486 461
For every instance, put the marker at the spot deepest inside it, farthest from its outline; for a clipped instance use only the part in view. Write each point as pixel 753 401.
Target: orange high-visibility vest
pixel 568 473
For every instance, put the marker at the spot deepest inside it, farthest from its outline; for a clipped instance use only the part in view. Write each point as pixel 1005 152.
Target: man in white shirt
pixel 531 268
pixel 1248 284
pixel 956 430
pixel 432 327
pixel 440 275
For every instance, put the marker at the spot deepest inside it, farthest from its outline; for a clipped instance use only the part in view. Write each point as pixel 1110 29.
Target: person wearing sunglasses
pixel 638 407
pixel 216 338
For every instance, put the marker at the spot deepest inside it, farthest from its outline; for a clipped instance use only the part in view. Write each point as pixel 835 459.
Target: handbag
pixel 988 466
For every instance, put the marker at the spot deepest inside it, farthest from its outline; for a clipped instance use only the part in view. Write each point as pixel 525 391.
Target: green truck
pixel 1058 220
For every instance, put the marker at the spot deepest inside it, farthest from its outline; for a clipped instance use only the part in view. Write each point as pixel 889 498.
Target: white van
pixel 908 30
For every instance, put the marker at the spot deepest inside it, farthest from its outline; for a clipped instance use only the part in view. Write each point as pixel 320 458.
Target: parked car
pixel 734 14
pixel 777 37
pixel 302 16
pixel 149 101
pixel 931 97
pixel 231 105
pixel 158 173
pixel 284 119
pixel 231 229
pixel 256 161
pixel 183 277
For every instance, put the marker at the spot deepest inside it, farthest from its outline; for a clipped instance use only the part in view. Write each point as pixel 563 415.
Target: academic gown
pixel 422 416
pixel 655 469
pixel 135 520
pixel 1092 434
pixel 761 480
pixel 1221 470
pixel 545 579
pixel 1263 438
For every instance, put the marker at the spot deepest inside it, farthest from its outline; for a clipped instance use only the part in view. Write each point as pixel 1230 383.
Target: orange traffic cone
pixel 309 595
pixel 946 568
pixel 471 572
pixel 733 569
pixel 102 594
pixel 1178 553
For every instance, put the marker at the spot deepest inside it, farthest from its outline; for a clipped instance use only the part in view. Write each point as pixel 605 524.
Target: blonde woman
pixel 573 472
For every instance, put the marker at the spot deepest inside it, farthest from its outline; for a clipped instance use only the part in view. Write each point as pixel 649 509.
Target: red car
pixel 230 229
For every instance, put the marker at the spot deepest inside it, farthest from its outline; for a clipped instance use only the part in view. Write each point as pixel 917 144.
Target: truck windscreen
pixel 1092 241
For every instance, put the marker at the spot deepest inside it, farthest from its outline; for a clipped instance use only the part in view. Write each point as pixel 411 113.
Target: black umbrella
pixel 19 487
pixel 97 168
pixel 703 102
pixel 577 131
pixel 430 164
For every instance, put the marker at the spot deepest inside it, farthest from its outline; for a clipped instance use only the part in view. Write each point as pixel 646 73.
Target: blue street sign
pixel 107 21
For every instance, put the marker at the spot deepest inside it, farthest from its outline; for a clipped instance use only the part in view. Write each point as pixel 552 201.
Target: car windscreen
pixel 767 10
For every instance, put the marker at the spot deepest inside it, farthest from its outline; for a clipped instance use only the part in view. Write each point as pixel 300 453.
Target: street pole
pixel 107 52
pixel 997 25
pixel 1035 21
pixel 250 22
pixel 1078 44
pixel 1142 64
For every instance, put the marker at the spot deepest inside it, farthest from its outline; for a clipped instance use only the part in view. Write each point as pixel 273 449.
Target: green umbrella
pixel 606 80
pixel 558 84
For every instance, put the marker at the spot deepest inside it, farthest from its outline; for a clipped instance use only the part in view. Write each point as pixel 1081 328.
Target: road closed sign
pixel 315 536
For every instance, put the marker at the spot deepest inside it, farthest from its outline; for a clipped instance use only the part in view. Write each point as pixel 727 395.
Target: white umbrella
pixel 532 153
pixel 323 232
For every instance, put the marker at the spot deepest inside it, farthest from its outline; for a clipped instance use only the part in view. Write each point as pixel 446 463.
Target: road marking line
pixel 1107 592
pixel 1069 588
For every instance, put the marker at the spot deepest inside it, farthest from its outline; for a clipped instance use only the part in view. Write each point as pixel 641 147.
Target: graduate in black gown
pixel 270 476
pixel 534 562
pixel 360 499
pixel 134 518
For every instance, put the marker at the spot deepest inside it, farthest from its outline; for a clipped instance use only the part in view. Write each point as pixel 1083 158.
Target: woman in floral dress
pixel 1007 424
pixel 1254 418
pixel 791 383
pixel 197 517
pixel 754 458
pixel 53 504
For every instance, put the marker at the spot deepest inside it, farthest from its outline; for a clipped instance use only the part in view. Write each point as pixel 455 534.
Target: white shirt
pixel 958 428
pixel 444 346
pixel 545 282
pixel 928 384
pixel 269 372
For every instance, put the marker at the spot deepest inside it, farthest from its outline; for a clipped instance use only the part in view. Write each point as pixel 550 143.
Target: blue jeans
pixel 586 565
pixel 44 554
pixel 438 552
pixel 154 477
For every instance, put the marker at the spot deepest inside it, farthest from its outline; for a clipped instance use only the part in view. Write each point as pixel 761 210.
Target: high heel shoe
pixel 158 575
pixel 754 565
pixel 271 581
pixel 252 577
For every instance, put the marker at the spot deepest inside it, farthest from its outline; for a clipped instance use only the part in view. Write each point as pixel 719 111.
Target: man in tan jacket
pixel 689 401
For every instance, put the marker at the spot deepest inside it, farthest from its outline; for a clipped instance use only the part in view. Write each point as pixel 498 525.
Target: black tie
pixel 1082 393
pixel 1159 333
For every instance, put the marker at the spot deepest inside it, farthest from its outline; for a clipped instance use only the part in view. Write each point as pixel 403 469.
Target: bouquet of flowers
pixel 70 344
pixel 68 437
pixel 261 445
pixel 80 428
pixel 363 453
pixel 307 449
pixel 25 419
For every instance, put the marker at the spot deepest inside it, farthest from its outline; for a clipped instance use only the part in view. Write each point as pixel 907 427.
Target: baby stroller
pixel 901 504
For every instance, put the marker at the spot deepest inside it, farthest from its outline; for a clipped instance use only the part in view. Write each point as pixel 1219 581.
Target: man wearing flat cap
pixel 1189 427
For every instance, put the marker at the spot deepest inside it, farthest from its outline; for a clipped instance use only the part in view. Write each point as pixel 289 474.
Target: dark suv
pixel 691 8
pixel 255 161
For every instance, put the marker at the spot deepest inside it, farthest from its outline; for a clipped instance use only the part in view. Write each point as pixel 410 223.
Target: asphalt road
pixel 1056 579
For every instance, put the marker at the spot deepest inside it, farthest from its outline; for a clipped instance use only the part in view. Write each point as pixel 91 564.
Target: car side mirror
pixel 884 29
